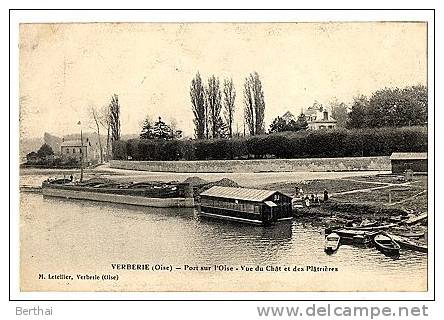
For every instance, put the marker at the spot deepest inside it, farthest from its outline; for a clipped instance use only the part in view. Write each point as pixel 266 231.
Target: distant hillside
pixel 53 141
pixel 28 145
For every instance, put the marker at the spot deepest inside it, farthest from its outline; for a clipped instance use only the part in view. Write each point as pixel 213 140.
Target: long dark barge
pixel 253 206
pixel 149 194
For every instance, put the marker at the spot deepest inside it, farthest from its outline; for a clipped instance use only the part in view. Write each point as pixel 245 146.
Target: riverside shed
pixel 245 205
pixel 415 161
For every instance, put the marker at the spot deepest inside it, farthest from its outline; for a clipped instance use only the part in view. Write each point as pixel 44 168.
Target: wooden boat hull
pixel 118 198
pixel 409 244
pixel 376 228
pixel 386 244
pixel 355 236
pixel 331 243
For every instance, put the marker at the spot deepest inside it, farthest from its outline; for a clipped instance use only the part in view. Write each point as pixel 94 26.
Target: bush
pixel 119 150
pixel 301 144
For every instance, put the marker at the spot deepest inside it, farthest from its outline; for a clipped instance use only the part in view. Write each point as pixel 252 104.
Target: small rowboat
pixel 356 236
pixel 410 243
pixel 415 235
pixel 332 242
pixel 386 244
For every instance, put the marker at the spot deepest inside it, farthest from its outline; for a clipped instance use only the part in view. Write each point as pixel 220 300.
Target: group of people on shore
pixel 312 200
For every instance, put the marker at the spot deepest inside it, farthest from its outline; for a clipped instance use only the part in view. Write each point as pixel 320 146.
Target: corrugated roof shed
pixel 255 195
pixel 408 156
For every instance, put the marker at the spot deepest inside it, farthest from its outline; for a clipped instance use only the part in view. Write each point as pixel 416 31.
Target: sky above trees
pixel 66 69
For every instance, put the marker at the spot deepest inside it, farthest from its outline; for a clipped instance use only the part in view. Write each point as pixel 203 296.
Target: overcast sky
pixel 66 68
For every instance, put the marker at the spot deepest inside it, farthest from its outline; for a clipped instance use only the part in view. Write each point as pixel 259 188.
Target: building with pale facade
pixel 73 149
pixel 319 117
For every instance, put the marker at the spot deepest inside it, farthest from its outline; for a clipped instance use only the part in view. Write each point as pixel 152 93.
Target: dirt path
pixel 386 185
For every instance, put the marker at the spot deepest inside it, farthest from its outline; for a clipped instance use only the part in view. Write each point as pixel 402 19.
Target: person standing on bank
pixel 325 195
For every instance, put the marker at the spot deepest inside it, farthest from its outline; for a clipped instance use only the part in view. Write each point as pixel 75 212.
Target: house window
pixel 276 197
pixel 325 115
pixel 74 150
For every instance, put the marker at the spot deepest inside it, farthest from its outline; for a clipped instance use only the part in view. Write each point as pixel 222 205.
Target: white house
pixel 319 117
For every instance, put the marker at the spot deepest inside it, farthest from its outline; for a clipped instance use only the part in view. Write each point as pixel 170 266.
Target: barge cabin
pixel 254 206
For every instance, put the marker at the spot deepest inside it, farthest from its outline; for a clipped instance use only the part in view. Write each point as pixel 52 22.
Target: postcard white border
pixel 18 17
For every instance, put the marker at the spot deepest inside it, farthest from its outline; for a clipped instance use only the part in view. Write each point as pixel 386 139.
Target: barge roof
pixel 255 195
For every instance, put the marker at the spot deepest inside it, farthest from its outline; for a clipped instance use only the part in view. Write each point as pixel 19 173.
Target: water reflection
pixel 85 233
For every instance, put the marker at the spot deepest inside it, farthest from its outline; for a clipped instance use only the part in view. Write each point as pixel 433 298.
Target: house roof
pixel 288 116
pixel 73 143
pixel 408 156
pixel 255 195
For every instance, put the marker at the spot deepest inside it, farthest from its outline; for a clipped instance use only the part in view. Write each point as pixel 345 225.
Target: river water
pixel 82 237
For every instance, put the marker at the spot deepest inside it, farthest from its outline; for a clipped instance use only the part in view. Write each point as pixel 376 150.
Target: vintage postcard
pixel 224 156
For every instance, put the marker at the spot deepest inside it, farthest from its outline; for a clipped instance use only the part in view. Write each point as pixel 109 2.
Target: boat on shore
pixel 409 243
pixel 355 236
pixel 148 194
pixel 386 244
pixel 408 233
pixel 331 243
pixel 416 219
pixel 372 228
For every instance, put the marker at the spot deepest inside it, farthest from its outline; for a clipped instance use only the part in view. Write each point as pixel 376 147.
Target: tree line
pixel 388 107
pixel 208 100
pixel 288 145
pixel 214 104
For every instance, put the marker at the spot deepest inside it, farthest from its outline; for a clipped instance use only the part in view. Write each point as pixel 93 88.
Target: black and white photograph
pixel 209 156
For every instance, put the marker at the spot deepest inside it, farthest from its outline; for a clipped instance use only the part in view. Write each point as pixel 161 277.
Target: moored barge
pixel 149 194
pixel 254 206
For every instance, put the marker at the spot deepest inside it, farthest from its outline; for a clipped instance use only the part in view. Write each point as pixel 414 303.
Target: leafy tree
pixel 398 107
pixel 339 112
pixel 254 104
pixel 114 114
pixel 390 107
pixel 214 104
pixel 249 108
pixel 197 94
pixel 32 155
pixel 279 124
pixel 301 123
pixel 229 97
pixel 44 151
pixel 357 116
